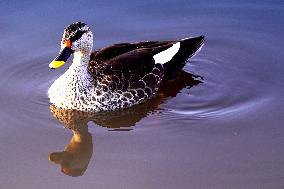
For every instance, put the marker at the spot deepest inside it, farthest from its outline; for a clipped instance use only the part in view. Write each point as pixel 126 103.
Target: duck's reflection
pixel 74 159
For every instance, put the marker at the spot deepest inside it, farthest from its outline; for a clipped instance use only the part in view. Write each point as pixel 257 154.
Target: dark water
pixel 223 132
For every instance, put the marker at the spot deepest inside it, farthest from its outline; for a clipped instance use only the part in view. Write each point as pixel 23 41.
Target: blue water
pixel 223 132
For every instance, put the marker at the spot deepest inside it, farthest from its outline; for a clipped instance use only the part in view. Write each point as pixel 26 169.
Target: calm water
pixel 223 129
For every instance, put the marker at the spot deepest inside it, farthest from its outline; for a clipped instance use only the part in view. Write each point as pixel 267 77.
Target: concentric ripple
pixel 226 91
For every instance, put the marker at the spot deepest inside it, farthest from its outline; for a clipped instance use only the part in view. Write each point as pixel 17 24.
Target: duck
pixel 117 76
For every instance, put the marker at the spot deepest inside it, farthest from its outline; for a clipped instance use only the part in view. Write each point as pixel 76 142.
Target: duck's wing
pixel 107 53
pixel 141 65
pixel 172 54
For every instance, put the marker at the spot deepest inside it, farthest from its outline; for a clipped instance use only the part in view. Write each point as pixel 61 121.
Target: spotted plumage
pixel 118 76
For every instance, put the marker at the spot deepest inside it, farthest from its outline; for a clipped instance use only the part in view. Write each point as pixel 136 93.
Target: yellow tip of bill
pixel 56 64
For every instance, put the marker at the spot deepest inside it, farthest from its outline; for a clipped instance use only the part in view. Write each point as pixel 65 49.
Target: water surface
pixel 219 125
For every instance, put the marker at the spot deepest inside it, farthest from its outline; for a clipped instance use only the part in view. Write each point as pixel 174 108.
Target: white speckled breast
pixel 73 89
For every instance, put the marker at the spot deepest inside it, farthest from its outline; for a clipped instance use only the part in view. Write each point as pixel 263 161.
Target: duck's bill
pixel 61 58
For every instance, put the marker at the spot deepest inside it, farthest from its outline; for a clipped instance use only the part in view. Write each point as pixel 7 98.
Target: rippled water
pixel 219 125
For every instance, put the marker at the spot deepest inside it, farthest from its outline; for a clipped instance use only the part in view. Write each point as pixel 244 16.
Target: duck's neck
pixel 77 73
pixel 81 59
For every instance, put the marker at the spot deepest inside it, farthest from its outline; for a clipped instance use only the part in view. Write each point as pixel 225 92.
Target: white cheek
pixel 75 46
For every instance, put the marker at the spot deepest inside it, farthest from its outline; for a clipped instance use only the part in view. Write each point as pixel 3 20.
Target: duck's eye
pixel 67 36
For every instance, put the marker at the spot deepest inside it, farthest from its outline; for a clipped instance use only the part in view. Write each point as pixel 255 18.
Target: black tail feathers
pixel 188 48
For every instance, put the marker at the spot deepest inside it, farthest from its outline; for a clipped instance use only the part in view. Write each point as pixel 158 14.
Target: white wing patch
pixel 167 55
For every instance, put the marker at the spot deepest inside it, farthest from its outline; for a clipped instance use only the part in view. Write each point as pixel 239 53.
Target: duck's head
pixel 77 38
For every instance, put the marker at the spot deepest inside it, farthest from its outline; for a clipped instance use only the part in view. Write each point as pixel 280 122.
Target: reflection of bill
pixel 75 158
